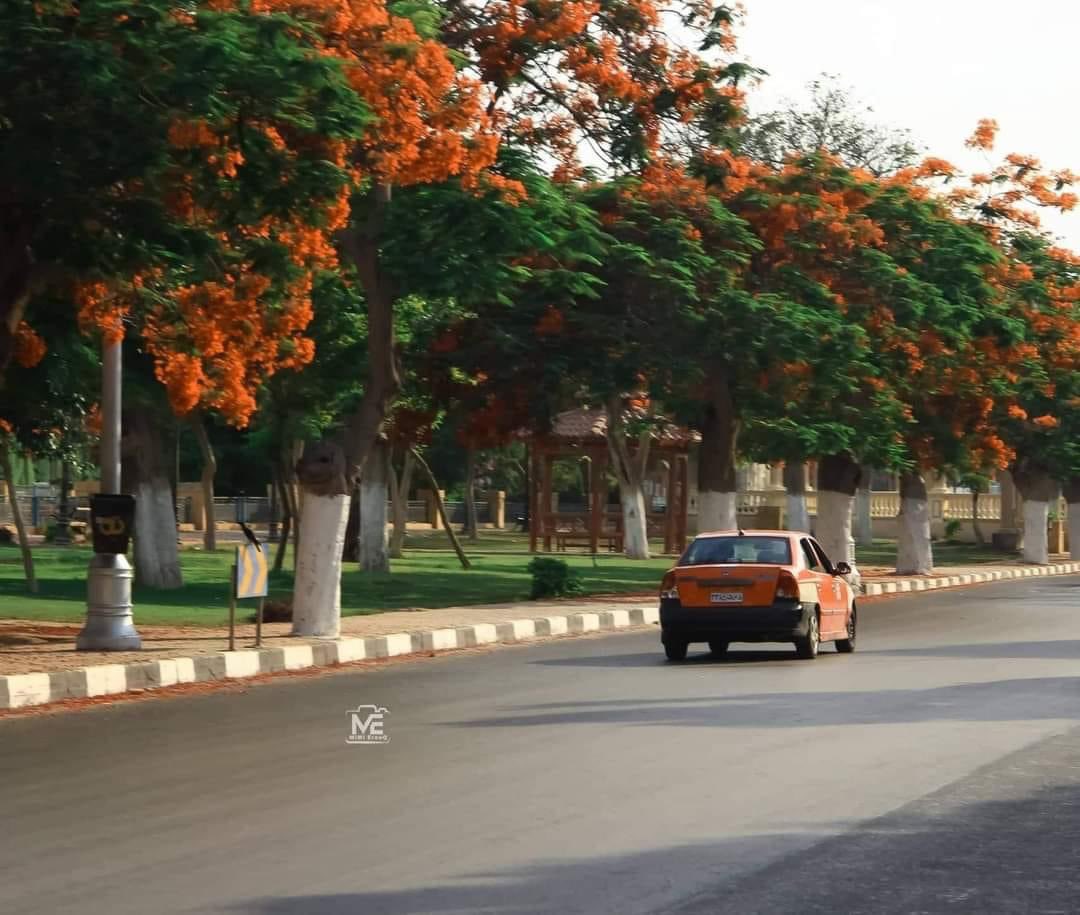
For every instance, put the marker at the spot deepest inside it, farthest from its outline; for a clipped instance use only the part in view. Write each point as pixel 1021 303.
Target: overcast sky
pixel 935 67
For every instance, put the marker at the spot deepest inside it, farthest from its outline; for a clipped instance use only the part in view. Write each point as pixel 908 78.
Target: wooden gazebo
pixel 583 433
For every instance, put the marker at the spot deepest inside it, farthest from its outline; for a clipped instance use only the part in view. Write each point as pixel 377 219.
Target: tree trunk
pixel 402 485
pixel 914 554
pixel 838 479
pixel 441 507
pixel 16 515
pixel 209 472
pixel 351 551
pixel 472 529
pixel 1072 497
pixel 864 521
pixel 629 470
pixel 1038 489
pixel 146 477
pixel 374 494
pixel 286 520
pixel 717 488
pixel 62 535
pixel 16 273
pixel 798 517
pixel 317 591
pixel 976 524
pixel 331 470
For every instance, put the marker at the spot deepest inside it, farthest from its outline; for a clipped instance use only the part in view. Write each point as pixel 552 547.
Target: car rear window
pixel 738 550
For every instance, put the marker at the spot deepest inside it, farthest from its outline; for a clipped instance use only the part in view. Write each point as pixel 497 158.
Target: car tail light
pixel 787 588
pixel 669 590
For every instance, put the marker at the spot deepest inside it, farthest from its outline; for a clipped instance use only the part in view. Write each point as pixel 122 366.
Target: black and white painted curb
pixel 906 585
pixel 19 690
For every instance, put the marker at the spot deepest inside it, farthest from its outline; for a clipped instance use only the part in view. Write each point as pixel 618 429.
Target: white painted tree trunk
pixel 798 516
pixel 157 560
pixel 317 591
pixel 833 529
pixel 717 511
pixel 1036 522
pixel 914 554
pixel 635 527
pixel 864 522
pixel 1074 530
pixel 374 543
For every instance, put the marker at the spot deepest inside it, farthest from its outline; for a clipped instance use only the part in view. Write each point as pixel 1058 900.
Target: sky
pixel 935 67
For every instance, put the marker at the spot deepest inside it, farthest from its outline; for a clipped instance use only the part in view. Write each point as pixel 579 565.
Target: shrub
pixel 952 528
pixel 553 578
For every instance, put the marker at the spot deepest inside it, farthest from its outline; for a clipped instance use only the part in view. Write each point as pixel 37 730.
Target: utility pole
pixel 109 625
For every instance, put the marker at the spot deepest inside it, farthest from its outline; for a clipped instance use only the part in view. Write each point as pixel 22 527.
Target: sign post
pixel 248 580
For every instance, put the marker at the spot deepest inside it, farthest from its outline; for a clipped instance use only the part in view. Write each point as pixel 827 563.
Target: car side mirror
pixel 842 568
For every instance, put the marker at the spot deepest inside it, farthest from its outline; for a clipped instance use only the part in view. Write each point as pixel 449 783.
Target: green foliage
pixel 553 578
pixel 952 528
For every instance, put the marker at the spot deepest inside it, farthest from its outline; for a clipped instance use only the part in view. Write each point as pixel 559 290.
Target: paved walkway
pixel 29 647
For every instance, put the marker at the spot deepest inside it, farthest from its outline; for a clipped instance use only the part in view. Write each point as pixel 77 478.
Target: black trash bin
pixel 112 518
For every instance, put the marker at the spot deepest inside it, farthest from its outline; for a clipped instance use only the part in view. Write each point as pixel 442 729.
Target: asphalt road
pixel 935 770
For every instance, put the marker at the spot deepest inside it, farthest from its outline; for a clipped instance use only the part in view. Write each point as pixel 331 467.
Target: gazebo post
pixel 597 489
pixel 670 508
pixel 545 498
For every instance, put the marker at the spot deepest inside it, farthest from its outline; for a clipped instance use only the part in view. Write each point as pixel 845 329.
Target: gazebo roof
pixel 589 425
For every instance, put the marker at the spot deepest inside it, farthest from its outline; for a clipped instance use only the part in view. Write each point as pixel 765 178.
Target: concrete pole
pixel 111 375
pixel 109 625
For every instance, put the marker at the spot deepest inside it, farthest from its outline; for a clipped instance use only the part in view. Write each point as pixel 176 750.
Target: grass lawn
pixel 946 553
pixel 423 579
pixel 429 576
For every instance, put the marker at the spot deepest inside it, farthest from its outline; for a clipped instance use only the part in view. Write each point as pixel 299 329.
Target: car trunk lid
pixel 739 585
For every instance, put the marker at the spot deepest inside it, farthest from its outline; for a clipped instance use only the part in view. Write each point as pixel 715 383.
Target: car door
pixel 818 578
pixel 833 591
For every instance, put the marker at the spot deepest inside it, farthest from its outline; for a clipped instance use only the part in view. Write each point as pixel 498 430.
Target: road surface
pixel 935 770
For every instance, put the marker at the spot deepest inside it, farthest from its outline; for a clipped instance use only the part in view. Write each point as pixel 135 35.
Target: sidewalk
pixel 39 663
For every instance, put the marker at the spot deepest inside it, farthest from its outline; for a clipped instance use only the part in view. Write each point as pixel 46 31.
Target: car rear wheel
pixel 675 650
pixel 807 646
pixel 718 648
pixel 847 645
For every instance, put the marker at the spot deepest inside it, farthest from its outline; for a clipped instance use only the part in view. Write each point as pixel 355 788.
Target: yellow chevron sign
pixel 251 571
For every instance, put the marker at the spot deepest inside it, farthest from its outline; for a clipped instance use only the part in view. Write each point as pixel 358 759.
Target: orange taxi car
pixel 756 586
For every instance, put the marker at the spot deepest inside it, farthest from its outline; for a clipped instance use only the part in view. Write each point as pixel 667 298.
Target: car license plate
pixel 726 597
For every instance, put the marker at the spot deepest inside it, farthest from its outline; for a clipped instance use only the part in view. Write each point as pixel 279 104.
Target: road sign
pixel 251 569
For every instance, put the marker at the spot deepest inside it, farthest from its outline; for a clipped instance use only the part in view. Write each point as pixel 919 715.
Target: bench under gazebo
pixel 582 433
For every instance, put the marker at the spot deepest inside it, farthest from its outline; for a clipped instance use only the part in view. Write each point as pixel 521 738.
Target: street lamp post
pixel 109 625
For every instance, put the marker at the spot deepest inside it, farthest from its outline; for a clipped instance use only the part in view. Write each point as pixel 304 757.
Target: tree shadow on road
pixel 1003 840
pixel 1042 698
pixel 1053 649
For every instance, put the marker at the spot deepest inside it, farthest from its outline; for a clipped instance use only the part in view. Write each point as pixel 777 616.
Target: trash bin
pixel 112 518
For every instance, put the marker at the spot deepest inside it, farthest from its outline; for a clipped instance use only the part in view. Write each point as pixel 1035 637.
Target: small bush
pixel 952 528
pixel 553 578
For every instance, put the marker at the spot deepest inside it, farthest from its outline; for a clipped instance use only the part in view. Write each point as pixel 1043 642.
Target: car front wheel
pixel 807 646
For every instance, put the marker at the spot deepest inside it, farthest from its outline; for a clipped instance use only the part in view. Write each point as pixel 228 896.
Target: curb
pixel 22 690
pixel 910 585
